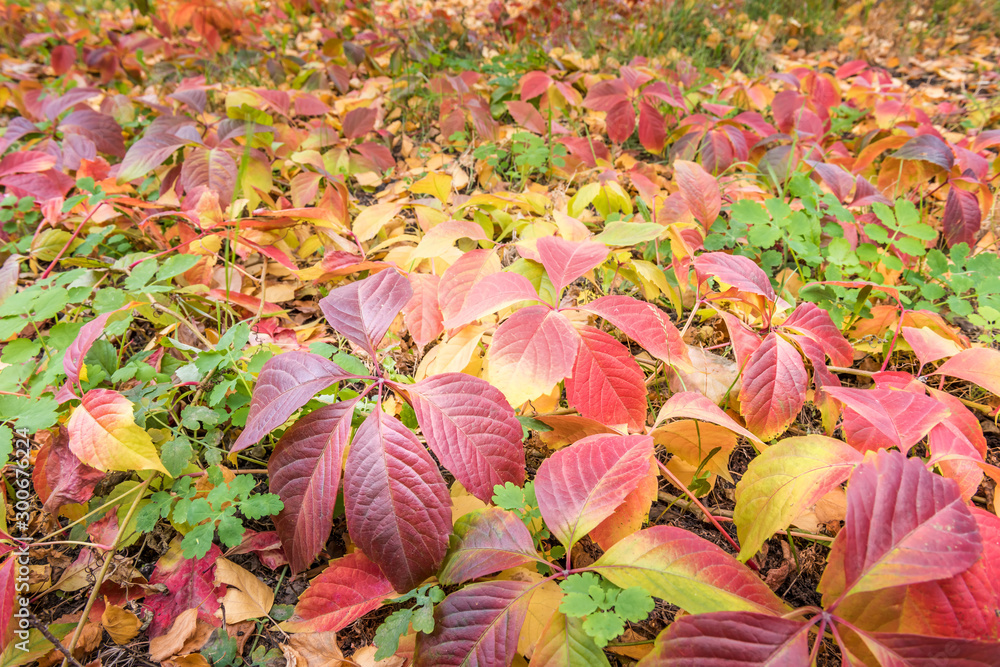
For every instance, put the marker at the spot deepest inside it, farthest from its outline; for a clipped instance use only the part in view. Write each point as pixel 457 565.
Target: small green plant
pixel 528 155
pixel 397 624
pixel 604 607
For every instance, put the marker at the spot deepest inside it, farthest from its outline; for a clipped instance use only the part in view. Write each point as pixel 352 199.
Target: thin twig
pixel 38 625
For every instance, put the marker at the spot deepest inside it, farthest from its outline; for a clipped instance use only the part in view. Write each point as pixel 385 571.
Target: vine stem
pixel 62 251
pixel 708 515
pixel 104 569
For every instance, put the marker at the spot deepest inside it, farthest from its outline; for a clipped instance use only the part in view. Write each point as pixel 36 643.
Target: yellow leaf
pixel 374 218
pixel 434 184
pixel 313 649
pixel 103 434
pixel 692 441
pixel 544 603
pixel 247 597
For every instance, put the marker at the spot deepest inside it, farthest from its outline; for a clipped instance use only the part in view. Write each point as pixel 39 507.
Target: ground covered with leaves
pixel 523 333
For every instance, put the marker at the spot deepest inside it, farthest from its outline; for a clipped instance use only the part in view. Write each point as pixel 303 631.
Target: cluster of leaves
pixel 500 252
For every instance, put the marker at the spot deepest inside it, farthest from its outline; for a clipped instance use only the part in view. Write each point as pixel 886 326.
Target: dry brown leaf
pixel 172 641
pixel 122 625
pixel 191 660
pixel 247 596
pixel 313 649
pixel 241 632
pixel 710 374
pixel 365 657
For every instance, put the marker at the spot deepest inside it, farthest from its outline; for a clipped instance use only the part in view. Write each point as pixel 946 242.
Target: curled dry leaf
pixel 247 596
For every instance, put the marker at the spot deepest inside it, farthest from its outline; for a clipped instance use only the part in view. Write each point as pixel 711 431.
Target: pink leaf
pixel 8 589
pixel 532 352
pixel 476 626
pixel 422 313
pixel 534 84
pixel 397 504
pixel 304 472
pixel 978 365
pixel 630 516
pixel 60 477
pixel 727 638
pixel 100 128
pixel 77 350
pixel 189 583
pixel 700 191
pixel 580 486
pixel 359 122
pixel 490 294
pixel 285 384
pixel 362 311
pixel 734 270
pixel 606 383
pixel 458 280
pixel 213 170
pixel 484 542
pixel 471 428
pixel 26 162
pixel 652 128
pixel 147 154
pixel 906 650
pixel 644 323
pixel 904 525
pixel 774 387
pixel 744 340
pixel 345 591
pixel 928 345
pixel 959 434
pixel 884 418
pixel 565 261
pixel 815 323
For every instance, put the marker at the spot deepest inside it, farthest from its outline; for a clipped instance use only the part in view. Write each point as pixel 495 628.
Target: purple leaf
pixel 484 542
pixel 734 270
pixel 962 217
pixel 147 154
pixel 284 385
pixel 477 626
pixel 398 507
pixel 927 148
pixel 305 473
pixel 212 169
pixel 363 310
pixel 100 128
pixel 471 428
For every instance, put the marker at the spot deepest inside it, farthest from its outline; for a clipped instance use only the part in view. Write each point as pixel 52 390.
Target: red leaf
pixel 620 121
pixel 734 270
pixel 959 434
pixel 927 148
pixel 700 191
pixel 85 339
pixel 744 340
pixel 60 477
pixel 905 650
pixel 978 365
pixel 63 57
pixel 883 418
pixel 348 589
pixel 362 311
pixel 471 428
pixel 580 486
pixel 398 507
pixel 458 280
pixel 652 128
pixel 190 583
pixel 100 128
pixel 606 383
pixel 962 217
pixel 644 323
pixel 774 387
pixel 8 590
pixel 904 525
pixel 212 169
pixel 532 352
pixel 534 84
pixel 477 626
pixel 26 162
pixel 929 346
pixel 422 313
pixel 359 122
pixel 815 323
pixel 484 542
pixel 285 384
pixel 605 95
pixel 727 638
pixel 565 261
pixel 527 116
pixel 490 294
pixel 304 472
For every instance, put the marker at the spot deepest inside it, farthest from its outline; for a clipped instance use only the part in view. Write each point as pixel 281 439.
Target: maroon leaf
pixel 815 323
pixel 734 270
pixel 362 311
pixel 471 428
pixel 927 148
pixel 147 154
pixel 348 589
pixel 359 122
pixel 565 261
pixel 883 418
pixel 100 128
pixel 644 323
pixel 60 477
pixel 486 541
pixel 906 650
pixel 774 387
pixel 477 626
pixel 580 486
pixel 962 217
pixel 284 385
pixel 209 169
pixel 904 525
pixel 728 638
pixel 652 128
pixel 606 383
pixel 398 507
pixel 304 472
pixel 189 583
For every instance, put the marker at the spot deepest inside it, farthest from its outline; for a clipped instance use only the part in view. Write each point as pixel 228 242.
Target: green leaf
pixel 603 627
pixel 634 604
pixel 392 629
pixel 259 506
pixel 508 496
pixel 577 605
